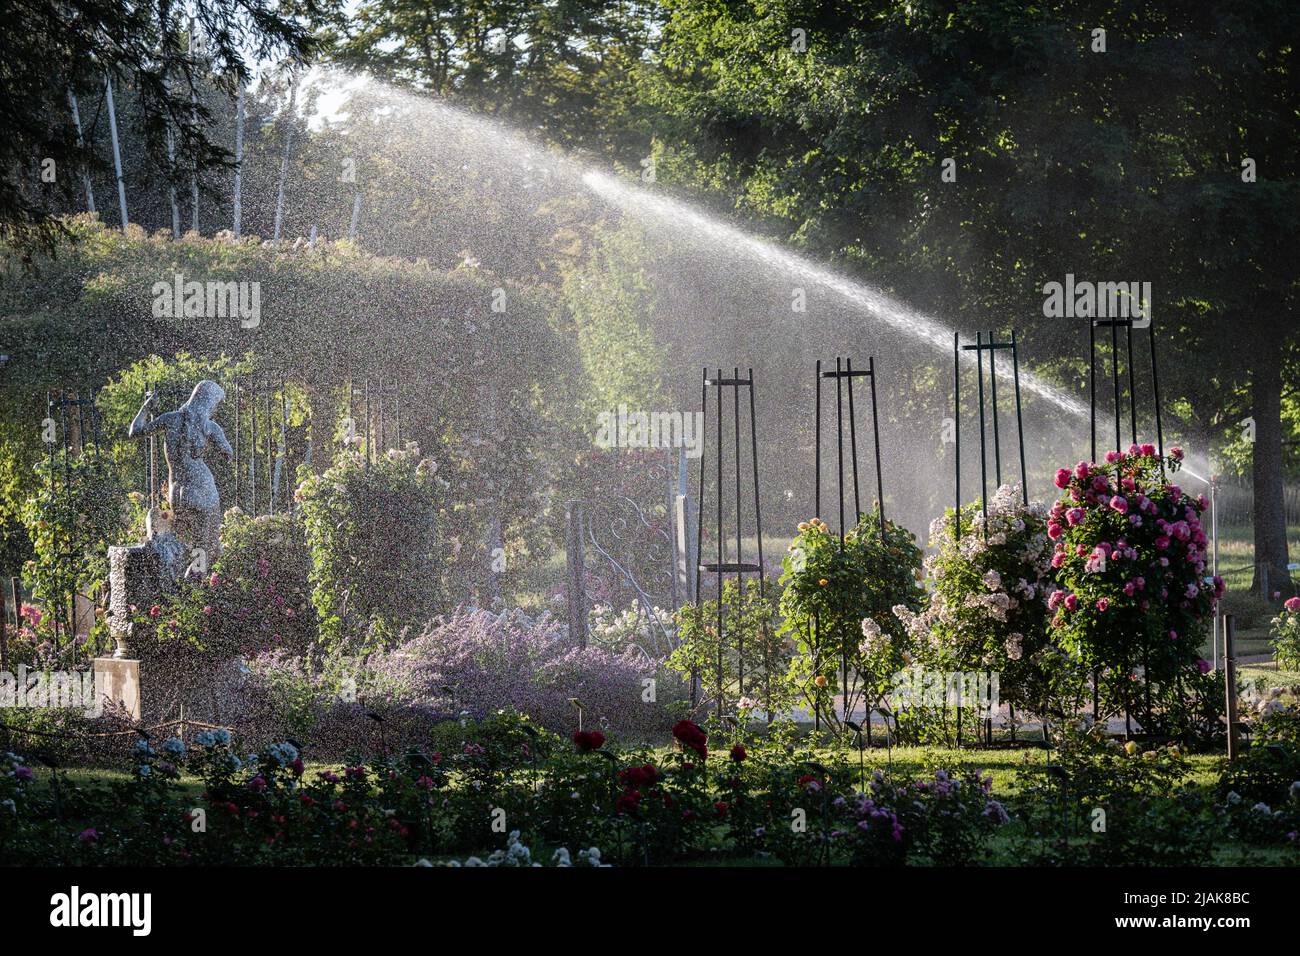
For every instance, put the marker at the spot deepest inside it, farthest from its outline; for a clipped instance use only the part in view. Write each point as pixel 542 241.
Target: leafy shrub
pixel 376 536
pixel 71 526
pixel 254 599
pixel 830 589
pixel 750 639
pixel 1115 804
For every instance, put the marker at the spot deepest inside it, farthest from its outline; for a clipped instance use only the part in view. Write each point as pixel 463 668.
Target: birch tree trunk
pixel 117 150
pixel 81 142
pixel 239 156
pixel 284 160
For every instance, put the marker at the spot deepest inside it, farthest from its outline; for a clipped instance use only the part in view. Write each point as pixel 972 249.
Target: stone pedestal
pixel 139 575
pixel 119 681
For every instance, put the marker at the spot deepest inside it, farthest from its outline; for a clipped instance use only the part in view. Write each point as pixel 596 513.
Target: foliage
pixel 478 661
pixel 1130 557
pixel 633 627
pixel 78 512
pixel 831 587
pixel 254 599
pixel 1115 804
pixel 366 589
pixel 141 45
pixel 752 655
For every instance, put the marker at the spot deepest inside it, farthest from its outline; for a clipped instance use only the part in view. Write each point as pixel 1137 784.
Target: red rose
pixel 588 740
pixel 691 737
pixel 643 776
pixel 738 753
pixel 628 802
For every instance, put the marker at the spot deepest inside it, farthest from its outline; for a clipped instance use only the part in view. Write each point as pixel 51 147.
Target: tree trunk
pixel 1270 508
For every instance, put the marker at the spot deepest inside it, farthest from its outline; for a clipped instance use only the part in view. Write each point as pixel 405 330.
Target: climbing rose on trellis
pixel 1130 555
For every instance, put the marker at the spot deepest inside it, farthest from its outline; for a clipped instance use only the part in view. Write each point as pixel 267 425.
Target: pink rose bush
pixel 1132 596
pixel 1286 635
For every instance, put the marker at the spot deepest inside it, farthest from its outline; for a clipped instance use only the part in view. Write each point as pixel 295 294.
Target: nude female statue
pixel 191 489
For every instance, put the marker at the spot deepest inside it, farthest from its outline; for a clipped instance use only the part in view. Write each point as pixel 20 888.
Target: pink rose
pixel 1062 478
pixel 1119 504
pixel 1071 602
pixel 1292 603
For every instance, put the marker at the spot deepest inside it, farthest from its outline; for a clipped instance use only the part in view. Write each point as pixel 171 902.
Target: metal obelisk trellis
pixel 992 346
pixel 844 375
pixel 71 422
pixel 722 566
pixel 1128 324
pixel 383 415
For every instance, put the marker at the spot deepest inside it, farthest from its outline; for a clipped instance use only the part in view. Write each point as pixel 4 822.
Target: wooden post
pixel 1230 682
pixel 576 576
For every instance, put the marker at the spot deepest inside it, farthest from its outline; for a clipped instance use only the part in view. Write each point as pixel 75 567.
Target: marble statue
pixel 140 574
pixel 191 490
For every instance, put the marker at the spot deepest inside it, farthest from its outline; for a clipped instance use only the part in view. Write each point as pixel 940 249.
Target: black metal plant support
pixel 67 411
pixel 992 346
pixel 722 566
pixel 844 375
pixel 1128 324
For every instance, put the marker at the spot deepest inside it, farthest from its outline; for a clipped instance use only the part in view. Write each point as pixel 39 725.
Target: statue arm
pixel 218 437
pixel 141 425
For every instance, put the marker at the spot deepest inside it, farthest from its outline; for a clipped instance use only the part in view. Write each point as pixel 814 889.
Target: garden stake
pixel 889 746
pixel 857 731
pixel 1230 682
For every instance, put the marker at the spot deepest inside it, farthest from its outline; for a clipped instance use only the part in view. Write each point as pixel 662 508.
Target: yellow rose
pixel 1130 748
pixel 820 680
